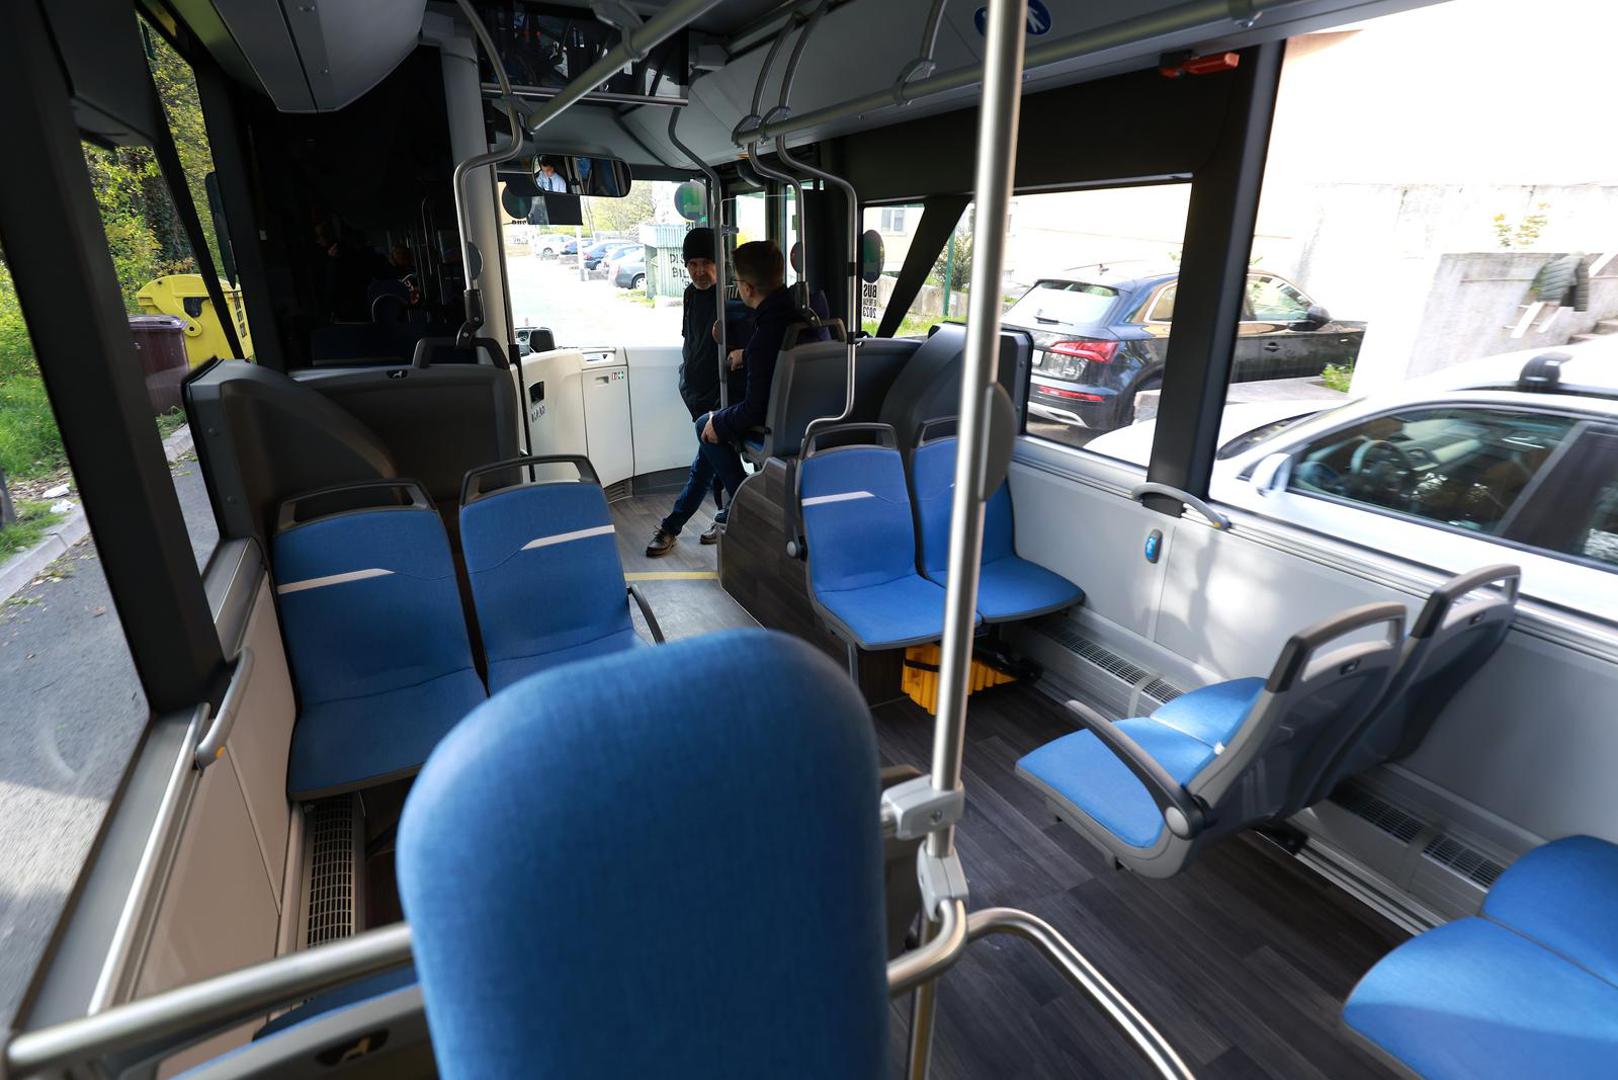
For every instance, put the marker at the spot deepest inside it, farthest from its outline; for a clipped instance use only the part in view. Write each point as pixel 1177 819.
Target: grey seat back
pixel 811 381
pixel 1326 681
pixel 1461 625
pixel 930 384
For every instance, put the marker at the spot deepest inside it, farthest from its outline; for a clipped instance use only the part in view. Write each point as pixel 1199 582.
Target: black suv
pixel 1100 338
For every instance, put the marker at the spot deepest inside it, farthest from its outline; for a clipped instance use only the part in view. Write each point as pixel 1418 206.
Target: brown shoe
pixel 662 543
pixel 712 535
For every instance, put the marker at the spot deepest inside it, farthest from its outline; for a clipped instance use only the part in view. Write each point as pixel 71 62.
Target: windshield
pixel 1054 302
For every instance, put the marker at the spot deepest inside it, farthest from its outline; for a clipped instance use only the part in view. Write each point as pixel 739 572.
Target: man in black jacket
pixel 699 384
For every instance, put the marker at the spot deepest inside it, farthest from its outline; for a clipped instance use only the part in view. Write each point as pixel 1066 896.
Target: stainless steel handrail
pixel 213 743
pixel 1083 975
pixel 220 1000
pixel 998 115
pixel 912 969
pixel 1215 518
pixel 474 265
pixel 715 213
pixel 1215 15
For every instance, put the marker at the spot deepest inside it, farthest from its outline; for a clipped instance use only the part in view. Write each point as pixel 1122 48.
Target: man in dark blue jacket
pixel 761 284
pixel 699 383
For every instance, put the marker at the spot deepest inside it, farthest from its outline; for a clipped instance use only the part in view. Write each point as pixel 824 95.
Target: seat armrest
pixel 646 613
pixel 1183 813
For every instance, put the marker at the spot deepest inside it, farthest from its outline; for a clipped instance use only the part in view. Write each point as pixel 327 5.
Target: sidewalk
pixel 17 571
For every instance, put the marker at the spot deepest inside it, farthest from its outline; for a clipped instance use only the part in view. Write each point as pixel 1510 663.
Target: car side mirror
pixel 1316 317
pixel 1271 474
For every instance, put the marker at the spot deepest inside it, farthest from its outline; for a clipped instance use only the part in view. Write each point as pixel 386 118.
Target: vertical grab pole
pixel 715 213
pixel 995 166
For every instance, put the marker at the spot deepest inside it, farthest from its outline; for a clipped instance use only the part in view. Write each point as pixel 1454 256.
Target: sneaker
pixel 662 543
pixel 712 535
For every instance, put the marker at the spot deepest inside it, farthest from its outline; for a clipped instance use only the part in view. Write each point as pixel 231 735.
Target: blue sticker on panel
pixel 1039 18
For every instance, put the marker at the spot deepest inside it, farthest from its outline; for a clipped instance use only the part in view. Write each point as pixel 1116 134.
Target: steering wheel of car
pixel 1379 464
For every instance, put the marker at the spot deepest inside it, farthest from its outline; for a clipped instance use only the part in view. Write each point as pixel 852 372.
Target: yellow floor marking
pixel 673 575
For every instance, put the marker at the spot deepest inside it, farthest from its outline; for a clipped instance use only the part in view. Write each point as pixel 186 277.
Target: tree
pixel 960 268
pixel 623 216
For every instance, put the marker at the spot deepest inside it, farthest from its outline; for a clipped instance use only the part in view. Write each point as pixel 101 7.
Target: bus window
pixel 618 279
pixel 71 705
pixel 1399 297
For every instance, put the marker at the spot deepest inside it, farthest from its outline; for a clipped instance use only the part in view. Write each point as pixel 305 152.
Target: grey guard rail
pixel 714 211
pixel 1236 14
pixel 213 741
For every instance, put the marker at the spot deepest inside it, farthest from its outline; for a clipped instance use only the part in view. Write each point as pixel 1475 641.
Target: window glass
pixel 1458 466
pixel 619 279
pixel 897 226
pixel 71 706
pixel 1424 272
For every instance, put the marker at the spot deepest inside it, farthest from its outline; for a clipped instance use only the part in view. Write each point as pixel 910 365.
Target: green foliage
pixel 29 442
pixel 1338 377
pixel 1523 233
pixel 623 216
pixel 961 269
pixel 33 519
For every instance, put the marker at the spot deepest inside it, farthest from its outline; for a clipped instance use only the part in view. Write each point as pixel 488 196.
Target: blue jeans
pixel 726 464
pixel 698 483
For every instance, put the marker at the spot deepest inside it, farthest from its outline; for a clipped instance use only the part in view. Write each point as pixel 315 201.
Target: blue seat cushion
pixel 1474 1000
pixel 1183 737
pixel 1564 895
pixel 353 993
pixel 352 743
pixel 904 611
pixel 502 673
pixel 1014 588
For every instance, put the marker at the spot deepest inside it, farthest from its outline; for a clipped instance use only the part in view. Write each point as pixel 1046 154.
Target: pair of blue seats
pixel 1528 987
pixel 861 520
pixel 1151 790
pixel 375 631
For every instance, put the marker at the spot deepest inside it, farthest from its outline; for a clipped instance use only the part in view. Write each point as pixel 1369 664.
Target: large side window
pixel 1457 466
pixel 1406 286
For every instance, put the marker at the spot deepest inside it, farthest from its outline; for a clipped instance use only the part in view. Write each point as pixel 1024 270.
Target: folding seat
pixel 861 541
pixel 543 562
pixel 707 927
pixel 1009 587
pixel 1461 625
pixel 1151 790
pixel 375 634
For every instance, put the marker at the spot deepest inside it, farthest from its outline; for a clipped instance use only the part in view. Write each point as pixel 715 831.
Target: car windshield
pixel 1062 302
pixel 1251 438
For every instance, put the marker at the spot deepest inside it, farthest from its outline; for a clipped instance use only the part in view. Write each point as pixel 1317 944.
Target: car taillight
pixel 1097 352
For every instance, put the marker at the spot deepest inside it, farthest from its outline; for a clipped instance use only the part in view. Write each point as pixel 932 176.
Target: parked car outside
pixel 1101 338
pixel 1511 458
pixel 629 271
pixel 604 250
pixel 549 245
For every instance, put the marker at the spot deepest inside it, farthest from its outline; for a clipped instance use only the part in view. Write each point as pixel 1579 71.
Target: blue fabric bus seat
pixel 670 882
pixel 1149 791
pixel 1009 587
pixel 546 578
pixel 376 638
pixel 862 545
pixel 1527 988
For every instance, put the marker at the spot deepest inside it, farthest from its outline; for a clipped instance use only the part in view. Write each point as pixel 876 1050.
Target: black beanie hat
pixel 698 245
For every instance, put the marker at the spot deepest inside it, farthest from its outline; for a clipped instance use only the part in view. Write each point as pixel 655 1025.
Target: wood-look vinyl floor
pixel 682 587
pixel 1242 961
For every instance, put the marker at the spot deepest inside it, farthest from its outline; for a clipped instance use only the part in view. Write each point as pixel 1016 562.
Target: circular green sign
pixel 872 255
pixel 691 201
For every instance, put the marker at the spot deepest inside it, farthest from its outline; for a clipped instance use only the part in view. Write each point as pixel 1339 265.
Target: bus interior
pixel 1266 710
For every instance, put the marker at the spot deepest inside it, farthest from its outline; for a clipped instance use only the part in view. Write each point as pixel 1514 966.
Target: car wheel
pixel 639 282
pixel 1126 415
pixel 548 253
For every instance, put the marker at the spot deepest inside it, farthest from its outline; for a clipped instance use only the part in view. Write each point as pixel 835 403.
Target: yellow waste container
pixel 185 297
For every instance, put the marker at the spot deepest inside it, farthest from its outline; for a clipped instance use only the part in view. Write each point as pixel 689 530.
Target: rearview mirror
pixel 565 174
pixel 1272 473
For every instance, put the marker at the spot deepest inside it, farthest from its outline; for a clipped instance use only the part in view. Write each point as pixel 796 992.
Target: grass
pixel 914 325
pixel 1338 377
pixel 30 445
pixel 34 520
pixel 170 422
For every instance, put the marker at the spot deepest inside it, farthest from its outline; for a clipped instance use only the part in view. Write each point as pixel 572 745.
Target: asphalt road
pixel 71 711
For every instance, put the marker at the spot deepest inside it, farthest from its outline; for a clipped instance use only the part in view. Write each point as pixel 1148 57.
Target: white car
pixel 1511 458
pixel 549 245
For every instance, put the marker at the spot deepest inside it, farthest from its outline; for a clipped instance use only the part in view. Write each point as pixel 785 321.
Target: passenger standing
pixel 699 383
pixel 761 284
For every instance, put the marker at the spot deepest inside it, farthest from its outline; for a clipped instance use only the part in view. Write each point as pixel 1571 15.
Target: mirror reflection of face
pixel 547 168
pixel 702 273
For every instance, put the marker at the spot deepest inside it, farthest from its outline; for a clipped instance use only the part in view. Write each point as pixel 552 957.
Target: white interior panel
pixel 260 741
pixel 664 434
